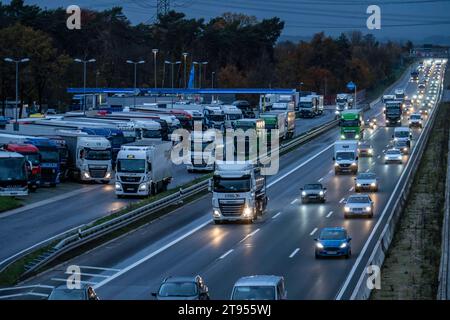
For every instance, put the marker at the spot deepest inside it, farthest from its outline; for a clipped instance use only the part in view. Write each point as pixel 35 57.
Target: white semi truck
pixel 143 168
pixel 344 101
pixel 239 192
pixel 203 150
pixel 232 114
pixel 345 156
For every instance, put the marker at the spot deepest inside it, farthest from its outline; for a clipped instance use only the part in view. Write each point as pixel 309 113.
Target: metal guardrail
pixel 361 291
pixel 444 270
pixel 73 239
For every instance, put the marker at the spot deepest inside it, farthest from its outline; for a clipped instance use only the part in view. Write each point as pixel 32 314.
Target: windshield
pixel 350 123
pixel 98 154
pixel 366 176
pixel 415 117
pixel 217 118
pixel 313 187
pixel 150 134
pixel 67 294
pixel 345 156
pixel 332 235
pixel 254 293
pixel 402 134
pixel 131 165
pixel 341 100
pixel 358 200
pixel 116 140
pixel 394 152
pixel 12 169
pixel 234 116
pixel 33 158
pixel 232 184
pixel 49 155
pixel 305 105
pixel 178 289
pixel 270 125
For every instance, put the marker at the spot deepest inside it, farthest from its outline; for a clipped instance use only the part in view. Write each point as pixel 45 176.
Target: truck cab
pixel 307 107
pixel 352 125
pixel 13 174
pixel 249 149
pixel 345 157
pixel 202 153
pixel 214 117
pixel 232 114
pixel 393 113
pixel 344 101
pixel 239 192
pixel 31 154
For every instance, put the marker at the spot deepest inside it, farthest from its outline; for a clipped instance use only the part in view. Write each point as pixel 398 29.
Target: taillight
pixel 36 170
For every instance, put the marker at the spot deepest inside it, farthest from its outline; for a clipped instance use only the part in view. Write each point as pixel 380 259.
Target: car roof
pixel 181 279
pixel 393 150
pixel 258 280
pixel 362 195
pixel 334 229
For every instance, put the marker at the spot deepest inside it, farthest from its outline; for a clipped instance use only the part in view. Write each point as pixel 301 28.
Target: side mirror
pixel 154 294
pixel 334 159
pixel 324 189
pixel 357 158
pixel 210 185
pixel 349 239
pixel 31 166
pixel 392 136
pixel 301 189
pixel 315 239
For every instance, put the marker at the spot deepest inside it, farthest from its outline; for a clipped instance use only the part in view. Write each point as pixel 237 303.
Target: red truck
pixel 31 154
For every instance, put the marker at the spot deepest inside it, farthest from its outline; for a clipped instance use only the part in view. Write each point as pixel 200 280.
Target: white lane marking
pixel 187 234
pixel 276 216
pixel 38 244
pixel 294 253
pixel 249 235
pixel 24 294
pixel 329 214
pixel 321 179
pixel 27 287
pixel 314 231
pixel 151 255
pixel 93 275
pixel 351 189
pixel 378 156
pixel 294 201
pixel 367 170
pixel 330 172
pixel 342 200
pixel 80 281
pixel 100 268
pixel 226 253
pixel 301 165
pixel 47 201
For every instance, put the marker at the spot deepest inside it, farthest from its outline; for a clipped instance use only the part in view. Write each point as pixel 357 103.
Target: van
pixel 259 287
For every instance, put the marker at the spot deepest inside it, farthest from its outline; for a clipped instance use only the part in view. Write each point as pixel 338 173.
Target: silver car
pixel 366 181
pixel 358 205
pixel 393 155
pixel 402 145
pixel 260 287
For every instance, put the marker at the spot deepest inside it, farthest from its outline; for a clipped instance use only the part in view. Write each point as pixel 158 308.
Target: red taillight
pixel 36 170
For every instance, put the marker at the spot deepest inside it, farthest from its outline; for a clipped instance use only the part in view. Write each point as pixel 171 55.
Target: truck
pixel 289 122
pixel 250 149
pixel 344 101
pixel 246 108
pixel 63 151
pixel 31 154
pixel 232 114
pixel 202 152
pixel 352 124
pixel 275 121
pixel 415 76
pixel 238 192
pixel 393 113
pixel 13 174
pixel 48 152
pixel 345 156
pixel 214 117
pixel 308 107
pixel 143 168
pixel 90 157
pixel 286 102
pixel 319 102
pixel 400 94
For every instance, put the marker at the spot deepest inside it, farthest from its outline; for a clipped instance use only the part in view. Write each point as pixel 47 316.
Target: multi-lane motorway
pixel 186 242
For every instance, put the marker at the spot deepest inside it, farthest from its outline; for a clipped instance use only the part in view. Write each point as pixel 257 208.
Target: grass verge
pixel 411 267
pixel 9 203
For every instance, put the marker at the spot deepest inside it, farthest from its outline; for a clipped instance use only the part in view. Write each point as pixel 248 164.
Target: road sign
pixel 351 86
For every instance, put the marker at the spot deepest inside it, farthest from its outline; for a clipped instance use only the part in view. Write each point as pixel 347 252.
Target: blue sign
pixel 351 86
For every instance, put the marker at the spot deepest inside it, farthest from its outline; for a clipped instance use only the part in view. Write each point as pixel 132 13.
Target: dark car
pixel 182 288
pixel 313 192
pixel 365 149
pixel 64 293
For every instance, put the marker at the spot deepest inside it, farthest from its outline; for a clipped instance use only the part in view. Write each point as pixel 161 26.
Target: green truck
pixel 352 125
pixel 250 149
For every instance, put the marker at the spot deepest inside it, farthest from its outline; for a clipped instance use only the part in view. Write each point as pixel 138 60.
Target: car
pixel 402 145
pixel 182 288
pixel 423 111
pixel 365 149
pixel 393 155
pixel 371 123
pixel 415 120
pixel 64 293
pixel 313 192
pixel 259 287
pixel 333 242
pixel 358 205
pixel 366 181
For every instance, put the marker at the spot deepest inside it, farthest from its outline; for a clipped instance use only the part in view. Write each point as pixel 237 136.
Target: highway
pixel 82 205
pixel 186 242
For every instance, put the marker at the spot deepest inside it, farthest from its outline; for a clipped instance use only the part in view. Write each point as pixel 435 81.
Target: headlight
pixel 373 184
pixel 321 193
pixel 216 213
pixel 336 112
pixel 86 175
pixel 303 193
pixel 342 136
pixel 346 209
pixel 387 121
pixel 357 136
pixel 344 245
pixel 118 186
pixel 108 175
pixel 386 158
pixel 368 208
pixel 319 245
pixel 354 164
pixel 142 187
pixel 247 211
pixel 370 151
pixel 336 164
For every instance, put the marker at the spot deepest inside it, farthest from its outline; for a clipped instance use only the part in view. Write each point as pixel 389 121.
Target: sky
pixel 400 19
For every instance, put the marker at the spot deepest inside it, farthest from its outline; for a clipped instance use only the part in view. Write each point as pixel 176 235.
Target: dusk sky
pixel 400 19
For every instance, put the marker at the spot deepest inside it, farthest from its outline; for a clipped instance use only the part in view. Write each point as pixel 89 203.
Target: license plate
pixel 130 189
pixel 331 252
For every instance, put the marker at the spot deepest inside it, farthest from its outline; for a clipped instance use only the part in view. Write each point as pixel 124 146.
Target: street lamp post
pixel 172 64
pixel 135 63
pixel 212 82
pixel 301 84
pixel 155 52
pixel 204 63
pixel 84 62
pixel 17 62
pixel 185 54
